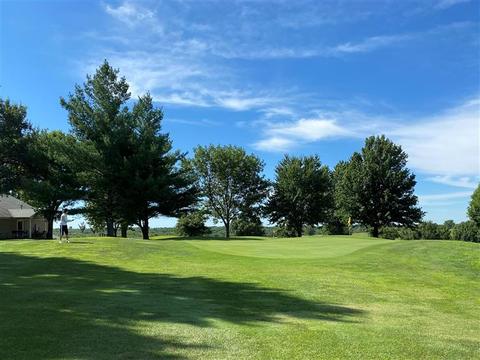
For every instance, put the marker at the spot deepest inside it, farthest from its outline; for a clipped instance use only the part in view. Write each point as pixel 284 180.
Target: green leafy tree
pixel 151 177
pixel 231 182
pixel 377 189
pixel 474 207
pixel 15 133
pixel 192 224
pixel 302 194
pixel 53 180
pixel 405 233
pixel 99 116
pixel 338 221
pixel 389 232
pixel 466 231
pixel 248 227
pixel 445 229
pixel 429 230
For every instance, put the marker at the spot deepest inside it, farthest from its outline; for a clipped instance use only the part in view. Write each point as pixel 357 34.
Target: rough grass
pixel 309 298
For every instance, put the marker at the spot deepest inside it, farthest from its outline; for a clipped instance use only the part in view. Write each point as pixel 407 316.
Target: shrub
pixel 192 224
pixel 284 231
pixel 408 234
pixel 389 232
pixel 242 227
pixel 429 230
pixel 466 231
pixel 335 227
pixel 309 230
pixel 445 230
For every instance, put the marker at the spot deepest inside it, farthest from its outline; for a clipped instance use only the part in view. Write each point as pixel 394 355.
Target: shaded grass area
pixel 101 298
pixel 82 303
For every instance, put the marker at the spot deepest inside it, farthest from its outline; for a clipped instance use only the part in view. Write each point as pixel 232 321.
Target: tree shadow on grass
pixel 65 308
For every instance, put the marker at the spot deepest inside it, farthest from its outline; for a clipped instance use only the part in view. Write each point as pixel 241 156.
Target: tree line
pixel 120 165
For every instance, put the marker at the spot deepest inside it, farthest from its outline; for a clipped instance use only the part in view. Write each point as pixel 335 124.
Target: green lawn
pixel 309 298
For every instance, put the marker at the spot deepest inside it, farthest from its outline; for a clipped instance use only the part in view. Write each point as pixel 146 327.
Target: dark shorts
pixel 64 229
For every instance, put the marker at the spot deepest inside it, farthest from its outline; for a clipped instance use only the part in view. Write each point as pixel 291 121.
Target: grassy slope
pixel 316 297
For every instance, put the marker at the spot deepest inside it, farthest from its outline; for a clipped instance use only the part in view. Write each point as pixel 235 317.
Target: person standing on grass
pixel 64 225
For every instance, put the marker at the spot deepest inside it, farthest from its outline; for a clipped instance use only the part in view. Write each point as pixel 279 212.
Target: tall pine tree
pixel 152 179
pixel 99 116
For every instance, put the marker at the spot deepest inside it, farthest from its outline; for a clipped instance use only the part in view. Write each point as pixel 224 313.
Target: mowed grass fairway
pixel 309 298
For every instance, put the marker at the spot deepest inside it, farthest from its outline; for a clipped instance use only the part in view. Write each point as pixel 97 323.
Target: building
pixel 18 220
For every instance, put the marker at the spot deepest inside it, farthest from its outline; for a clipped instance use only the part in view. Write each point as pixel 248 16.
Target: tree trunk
pixel 299 230
pixel 123 230
pixel 145 229
pixel 110 230
pixel 375 231
pixel 227 230
pixel 49 235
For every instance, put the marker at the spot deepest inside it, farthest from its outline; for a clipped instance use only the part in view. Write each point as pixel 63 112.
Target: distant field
pixel 318 297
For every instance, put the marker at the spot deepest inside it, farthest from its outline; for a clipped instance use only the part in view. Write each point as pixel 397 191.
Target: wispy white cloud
pixel 279 111
pixel 433 198
pixel 446 145
pixel 284 135
pixel 198 122
pixel 236 102
pixel 293 134
pixel 168 49
pixel 445 4
pixel 310 129
pixel 370 44
pixel 129 13
pixel 468 182
pixel 275 143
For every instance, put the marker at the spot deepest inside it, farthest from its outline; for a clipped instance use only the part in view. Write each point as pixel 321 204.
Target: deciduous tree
pixel 54 179
pixel 231 182
pixel 474 207
pixel 377 188
pixel 302 194
pixel 15 132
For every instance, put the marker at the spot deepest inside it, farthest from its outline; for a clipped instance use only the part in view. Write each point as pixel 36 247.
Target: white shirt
pixel 63 219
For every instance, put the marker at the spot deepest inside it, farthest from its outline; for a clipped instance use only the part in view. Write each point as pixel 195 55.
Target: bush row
pixel 465 231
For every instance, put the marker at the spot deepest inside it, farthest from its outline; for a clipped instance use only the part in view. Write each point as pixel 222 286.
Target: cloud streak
pixel 283 136
pixel 446 145
pixel 467 182
pixel 434 198
pixel 185 59
pixel 445 4
pixel 129 13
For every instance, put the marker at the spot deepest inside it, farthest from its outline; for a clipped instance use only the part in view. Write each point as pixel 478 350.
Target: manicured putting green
pixel 307 247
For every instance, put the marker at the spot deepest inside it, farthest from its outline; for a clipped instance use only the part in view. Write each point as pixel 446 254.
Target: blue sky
pixel 301 77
